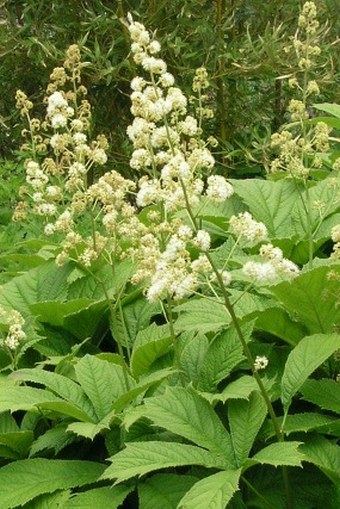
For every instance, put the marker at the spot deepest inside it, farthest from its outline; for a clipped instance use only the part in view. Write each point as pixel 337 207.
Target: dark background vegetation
pixel 240 42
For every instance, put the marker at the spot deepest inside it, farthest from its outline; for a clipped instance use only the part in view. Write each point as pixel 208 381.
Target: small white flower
pixel 49 229
pixel 226 277
pixel 243 225
pixel 154 47
pixel 218 189
pixel 202 240
pixel 99 156
pixel 260 272
pixel 261 362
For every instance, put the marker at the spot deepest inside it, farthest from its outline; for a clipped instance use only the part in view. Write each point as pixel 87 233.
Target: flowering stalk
pixel 165 137
pixel 299 152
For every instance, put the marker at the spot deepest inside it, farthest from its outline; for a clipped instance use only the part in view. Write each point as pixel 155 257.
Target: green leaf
pixel 151 343
pixel 310 353
pixel 201 315
pixel 80 317
pixel 142 457
pixel 308 298
pixel 49 501
pixel 8 423
pixel 184 412
pixel 135 317
pixel 277 321
pixel 55 439
pixel 325 393
pixel 223 354
pixel 102 382
pixel 46 282
pixel 54 312
pixel 212 492
pixel 62 386
pixel 245 420
pixel 193 355
pixel 325 192
pixel 269 202
pixel 164 491
pixel 281 453
pixel 239 389
pixel 333 109
pixel 24 398
pixel 87 429
pixel 144 383
pixel 297 423
pixel 23 480
pixel 325 455
pixel 98 498
pixel 18 441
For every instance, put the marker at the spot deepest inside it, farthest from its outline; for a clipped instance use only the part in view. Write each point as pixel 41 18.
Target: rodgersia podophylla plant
pixel 168 146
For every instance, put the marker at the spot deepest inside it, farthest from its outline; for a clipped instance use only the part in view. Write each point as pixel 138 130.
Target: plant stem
pixel 220 96
pixel 258 494
pixel 177 352
pixel 278 432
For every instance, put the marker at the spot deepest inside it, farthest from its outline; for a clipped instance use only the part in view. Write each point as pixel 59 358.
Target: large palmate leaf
pixel 187 414
pixel 142 457
pixel 98 498
pixel 102 382
pixel 245 420
pixel 308 298
pixel 325 393
pixel 164 490
pixel 310 353
pixel 221 357
pixel 151 343
pixel 62 386
pixel 212 492
pixel 23 480
pixel 269 202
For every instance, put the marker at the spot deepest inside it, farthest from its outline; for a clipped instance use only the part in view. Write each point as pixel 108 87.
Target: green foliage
pixel 308 355
pixel 26 479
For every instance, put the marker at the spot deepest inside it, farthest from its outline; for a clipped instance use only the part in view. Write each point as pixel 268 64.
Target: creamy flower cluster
pixel 299 153
pixel 57 185
pixel 244 225
pixel 15 333
pixel 166 139
pixel 275 266
pixel 169 149
pixel 335 236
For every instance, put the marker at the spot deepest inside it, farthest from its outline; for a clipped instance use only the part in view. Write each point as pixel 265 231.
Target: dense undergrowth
pixel 171 340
